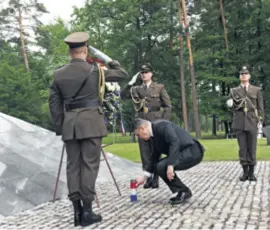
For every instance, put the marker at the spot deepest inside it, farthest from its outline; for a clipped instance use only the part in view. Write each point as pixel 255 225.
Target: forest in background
pixel 134 32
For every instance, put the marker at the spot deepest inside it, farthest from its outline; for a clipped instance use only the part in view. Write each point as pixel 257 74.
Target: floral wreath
pixel 112 106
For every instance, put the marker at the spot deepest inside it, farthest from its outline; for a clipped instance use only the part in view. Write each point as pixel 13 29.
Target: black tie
pixel 245 89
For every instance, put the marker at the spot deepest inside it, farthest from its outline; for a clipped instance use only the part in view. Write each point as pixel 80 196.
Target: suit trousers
pixel 146 152
pixel 247 142
pixel 83 160
pixel 188 158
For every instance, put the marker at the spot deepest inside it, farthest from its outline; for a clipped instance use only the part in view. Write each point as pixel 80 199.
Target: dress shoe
pixel 173 198
pixel 251 176
pixel 148 183
pixel 155 181
pixel 181 197
pixel 244 176
pixel 89 217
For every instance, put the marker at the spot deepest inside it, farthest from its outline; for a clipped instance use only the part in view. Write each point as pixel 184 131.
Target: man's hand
pixel 170 172
pixel 140 181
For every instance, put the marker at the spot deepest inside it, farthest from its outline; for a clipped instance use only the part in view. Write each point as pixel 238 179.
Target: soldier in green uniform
pixel 247 103
pixel 75 106
pixel 151 102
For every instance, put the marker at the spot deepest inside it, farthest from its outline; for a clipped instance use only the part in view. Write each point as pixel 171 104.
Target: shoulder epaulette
pixel 58 67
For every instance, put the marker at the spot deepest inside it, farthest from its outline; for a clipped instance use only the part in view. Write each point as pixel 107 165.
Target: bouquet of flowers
pixel 112 100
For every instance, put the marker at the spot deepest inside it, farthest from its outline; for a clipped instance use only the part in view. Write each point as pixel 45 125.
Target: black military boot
pixel 251 176
pixel 148 183
pixel 155 182
pixel 244 177
pixel 77 206
pixel 89 217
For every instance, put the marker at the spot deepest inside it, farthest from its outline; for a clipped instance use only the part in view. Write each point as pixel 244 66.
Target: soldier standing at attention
pixel 247 103
pixel 76 96
pixel 151 102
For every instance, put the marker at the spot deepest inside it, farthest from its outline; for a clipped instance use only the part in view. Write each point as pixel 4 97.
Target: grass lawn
pixel 216 150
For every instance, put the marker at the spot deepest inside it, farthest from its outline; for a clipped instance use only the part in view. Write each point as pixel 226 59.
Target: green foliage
pixel 18 95
pixel 135 32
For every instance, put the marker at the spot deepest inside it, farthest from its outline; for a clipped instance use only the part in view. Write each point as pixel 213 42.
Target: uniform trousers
pixel 83 160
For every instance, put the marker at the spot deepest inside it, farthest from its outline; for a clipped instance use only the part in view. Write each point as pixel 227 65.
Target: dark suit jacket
pixel 86 122
pixel 171 140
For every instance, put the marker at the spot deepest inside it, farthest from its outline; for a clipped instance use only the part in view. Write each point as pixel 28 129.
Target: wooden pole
pixel 192 75
pixel 224 25
pixel 23 41
pixel 182 70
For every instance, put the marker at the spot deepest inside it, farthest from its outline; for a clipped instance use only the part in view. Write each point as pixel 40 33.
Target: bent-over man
pixel 182 150
pixel 151 102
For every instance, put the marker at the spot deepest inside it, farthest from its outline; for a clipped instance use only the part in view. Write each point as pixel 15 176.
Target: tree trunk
pixel 224 25
pixel 226 125
pixel 206 124
pixel 22 41
pixel 138 53
pixel 190 120
pixel 171 25
pixel 214 126
pixel 192 76
pixel 182 71
pixel 259 20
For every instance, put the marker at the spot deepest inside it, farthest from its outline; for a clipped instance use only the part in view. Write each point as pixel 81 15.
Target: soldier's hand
pixel 113 63
pixel 229 103
pixel 134 79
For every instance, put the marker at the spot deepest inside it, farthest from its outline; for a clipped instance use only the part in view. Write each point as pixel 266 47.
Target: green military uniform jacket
pixel 248 107
pixel 84 122
pixel 152 103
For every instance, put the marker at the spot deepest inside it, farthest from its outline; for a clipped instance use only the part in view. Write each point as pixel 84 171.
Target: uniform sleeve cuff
pixel 147 174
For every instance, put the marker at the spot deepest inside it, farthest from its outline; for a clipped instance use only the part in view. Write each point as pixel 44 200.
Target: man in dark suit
pixel 182 150
pixel 151 102
pixel 75 106
pixel 246 101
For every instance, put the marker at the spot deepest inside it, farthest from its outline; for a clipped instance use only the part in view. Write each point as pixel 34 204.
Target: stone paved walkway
pixel 219 201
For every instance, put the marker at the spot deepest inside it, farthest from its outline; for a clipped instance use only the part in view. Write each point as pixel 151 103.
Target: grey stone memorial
pixel 266 131
pixel 29 162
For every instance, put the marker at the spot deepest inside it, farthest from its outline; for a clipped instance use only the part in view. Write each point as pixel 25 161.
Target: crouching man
pixel 182 152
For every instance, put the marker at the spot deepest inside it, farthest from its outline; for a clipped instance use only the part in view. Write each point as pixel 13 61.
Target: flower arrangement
pixel 112 100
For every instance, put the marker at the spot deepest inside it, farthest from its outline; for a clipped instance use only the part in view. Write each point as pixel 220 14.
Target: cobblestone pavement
pixel 219 201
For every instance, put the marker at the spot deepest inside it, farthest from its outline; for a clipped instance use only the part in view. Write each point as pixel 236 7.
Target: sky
pixel 59 8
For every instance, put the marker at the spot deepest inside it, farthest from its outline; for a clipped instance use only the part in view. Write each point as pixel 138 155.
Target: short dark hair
pixel 139 122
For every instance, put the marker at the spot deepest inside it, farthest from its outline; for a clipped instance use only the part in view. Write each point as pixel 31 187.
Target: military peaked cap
pixel 244 69
pixel 77 39
pixel 146 68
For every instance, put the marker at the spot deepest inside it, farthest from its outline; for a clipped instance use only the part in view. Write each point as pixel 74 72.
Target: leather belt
pixel 153 109
pixel 242 110
pixel 82 104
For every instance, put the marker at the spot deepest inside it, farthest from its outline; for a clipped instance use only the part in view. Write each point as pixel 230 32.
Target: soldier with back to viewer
pixel 76 96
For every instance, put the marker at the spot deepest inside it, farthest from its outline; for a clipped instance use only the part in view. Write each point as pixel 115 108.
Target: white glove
pixel 109 86
pixel 229 103
pixel 134 79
